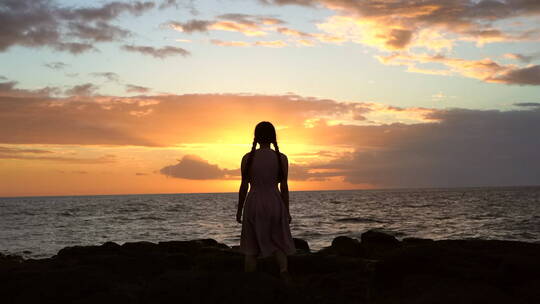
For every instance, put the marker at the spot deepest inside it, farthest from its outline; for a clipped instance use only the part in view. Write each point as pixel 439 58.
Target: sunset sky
pixel 116 97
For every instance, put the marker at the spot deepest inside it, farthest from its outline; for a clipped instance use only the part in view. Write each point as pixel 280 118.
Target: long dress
pixel 265 225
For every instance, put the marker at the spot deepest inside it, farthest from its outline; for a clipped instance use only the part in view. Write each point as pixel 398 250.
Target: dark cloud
pixel 398 39
pixel 86 89
pixel 527 104
pixel 295 2
pixel 8 89
pixel 161 53
pixel 9 150
pixel 521 76
pixel 42 23
pixel 3 77
pixel 74 47
pixel 100 32
pixel 131 88
pixel 192 25
pixel 46 155
pixel 56 65
pixel 106 12
pixel 186 4
pixel 169 3
pixel 194 167
pixel 465 148
pixel 251 19
pixel 110 76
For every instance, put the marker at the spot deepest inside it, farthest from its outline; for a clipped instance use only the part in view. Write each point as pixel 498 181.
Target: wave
pixel 357 220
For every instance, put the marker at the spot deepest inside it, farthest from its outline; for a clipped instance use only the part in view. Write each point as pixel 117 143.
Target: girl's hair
pixel 264 133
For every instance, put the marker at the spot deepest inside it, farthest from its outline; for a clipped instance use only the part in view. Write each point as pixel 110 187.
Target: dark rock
pixel 190 246
pixel 457 272
pixel 204 271
pixel 374 236
pixel 142 247
pixel 415 241
pixel 377 244
pixel 346 246
pixel 301 246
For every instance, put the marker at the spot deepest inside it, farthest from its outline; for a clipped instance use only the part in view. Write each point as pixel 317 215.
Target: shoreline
pixel 377 268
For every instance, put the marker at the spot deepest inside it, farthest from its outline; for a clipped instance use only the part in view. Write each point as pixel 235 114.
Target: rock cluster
pixel 375 269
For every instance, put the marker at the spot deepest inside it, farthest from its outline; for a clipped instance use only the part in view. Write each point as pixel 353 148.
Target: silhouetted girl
pixel 266 218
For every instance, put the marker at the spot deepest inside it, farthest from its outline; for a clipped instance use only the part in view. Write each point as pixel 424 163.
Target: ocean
pixel 37 227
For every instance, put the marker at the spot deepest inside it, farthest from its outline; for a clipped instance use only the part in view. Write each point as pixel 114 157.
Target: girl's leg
pixel 281 259
pixel 250 263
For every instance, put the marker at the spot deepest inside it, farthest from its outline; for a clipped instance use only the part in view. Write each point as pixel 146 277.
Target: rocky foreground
pixel 377 269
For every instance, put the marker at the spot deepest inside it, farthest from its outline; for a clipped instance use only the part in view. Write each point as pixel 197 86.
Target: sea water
pixel 40 226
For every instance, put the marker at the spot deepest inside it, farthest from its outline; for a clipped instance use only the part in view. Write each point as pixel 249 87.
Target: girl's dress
pixel 265 226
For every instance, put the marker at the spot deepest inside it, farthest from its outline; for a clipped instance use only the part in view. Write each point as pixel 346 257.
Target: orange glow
pixel 112 145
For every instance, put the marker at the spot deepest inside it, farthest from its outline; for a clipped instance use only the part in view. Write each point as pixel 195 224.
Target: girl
pixel 266 217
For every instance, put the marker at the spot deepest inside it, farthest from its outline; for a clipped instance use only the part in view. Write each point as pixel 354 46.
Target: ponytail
pixel 245 174
pixel 280 168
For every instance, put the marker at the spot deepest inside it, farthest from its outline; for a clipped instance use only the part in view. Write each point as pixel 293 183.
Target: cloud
pixel 161 53
pixel 522 76
pixel 131 88
pixel 414 28
pixel 8 89
pixel 463 148
pixel 485 69
pixel 191 26
pixel 230 43
pixel 187 4
pixel 161 120
pixel 42 23
pixel 522 57
pixel 56 65
pixel 110 76
pixel 86 89
pixel 292 32
pixel 100 32
pixel 399 24
pixel 249 25
pixel 273 43
pixel 46 155
pixel 527 104
pixel 371 143
pixel 459 148
pixel 251 19
pixel 261 43
pixel 10 150
pixel 194 167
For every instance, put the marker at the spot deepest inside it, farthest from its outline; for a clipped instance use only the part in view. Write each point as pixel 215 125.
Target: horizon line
pixel 227 192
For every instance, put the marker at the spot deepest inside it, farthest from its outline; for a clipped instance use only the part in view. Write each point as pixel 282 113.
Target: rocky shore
pixel 375 269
